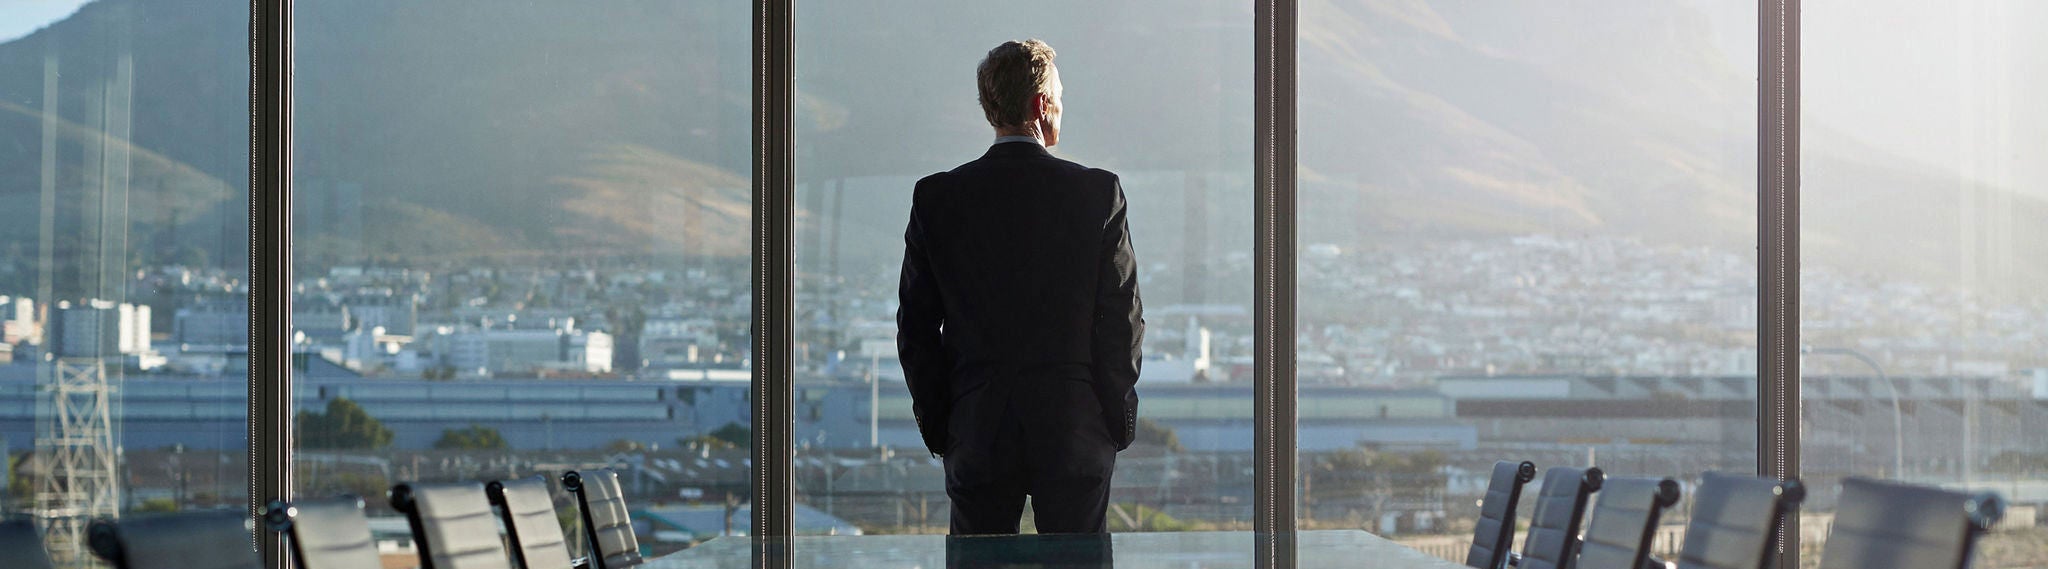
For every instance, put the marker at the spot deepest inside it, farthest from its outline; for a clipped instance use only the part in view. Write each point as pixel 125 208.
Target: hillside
pixel 456 130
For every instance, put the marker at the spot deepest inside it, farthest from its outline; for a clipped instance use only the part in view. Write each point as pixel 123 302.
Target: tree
pixel 359 483
pixel 621 446
pixel 731 435
pixel 344 426
pixel 734 434
pixel 473 437
pixel 158 506
pixel 2016 462
pixel 18 483
pixel 1372 479
pixel 1152 433
pixel 1139 517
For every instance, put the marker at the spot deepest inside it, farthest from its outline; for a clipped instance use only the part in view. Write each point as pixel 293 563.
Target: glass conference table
pixel 1188 550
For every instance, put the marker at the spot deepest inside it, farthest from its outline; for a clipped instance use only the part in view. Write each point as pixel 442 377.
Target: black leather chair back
pixel 1735 521
pixel 22 546
pixel 1554 527
pixel 1888 525
pixel 200 540
pixel 1625 522
pixel 326 534
pixel 1495 530
pixel 452 525
pixel 529 514
pixel 606 522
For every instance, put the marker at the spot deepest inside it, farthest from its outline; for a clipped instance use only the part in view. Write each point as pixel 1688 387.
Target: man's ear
pixel 1038 104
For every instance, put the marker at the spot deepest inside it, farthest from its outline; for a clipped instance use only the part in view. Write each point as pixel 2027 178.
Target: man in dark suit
pixel 1020 325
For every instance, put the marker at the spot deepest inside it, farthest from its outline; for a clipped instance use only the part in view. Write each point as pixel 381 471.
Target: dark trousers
pixel 1038 436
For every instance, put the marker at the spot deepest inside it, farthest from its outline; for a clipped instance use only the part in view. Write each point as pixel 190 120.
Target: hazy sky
pixel 22 17
pixel 1949 85
pixel 1940 83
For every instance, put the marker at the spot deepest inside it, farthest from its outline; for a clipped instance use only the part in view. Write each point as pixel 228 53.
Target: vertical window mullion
pixel 774 288
pixel 270 329
pixel 1274 168
pixel 1778 395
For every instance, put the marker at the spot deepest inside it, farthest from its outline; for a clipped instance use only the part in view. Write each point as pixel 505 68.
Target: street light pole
pixel 875 399
pixel 1898 421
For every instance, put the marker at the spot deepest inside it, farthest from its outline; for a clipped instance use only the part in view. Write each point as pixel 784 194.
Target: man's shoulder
pixel 1091 174
pixel 986 166
pixel 938 178
pixel 936 182
pixel 1077 168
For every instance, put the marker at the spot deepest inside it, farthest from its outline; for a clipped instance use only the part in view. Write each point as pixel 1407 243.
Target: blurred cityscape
pixel 1420 365
pixel 523 243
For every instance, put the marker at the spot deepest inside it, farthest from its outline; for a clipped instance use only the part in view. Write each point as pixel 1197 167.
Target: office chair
pixel 1495 531
pixel 1553 538
pixel 452 525
pixel 528 511
pixel 326 534
pixel 200 540
pixel 22 546
pixel 1735 521
pixel 1625 523
pixel 606 523
pixel 1888 525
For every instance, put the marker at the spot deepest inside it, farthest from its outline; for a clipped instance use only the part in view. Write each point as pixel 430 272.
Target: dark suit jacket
pixel 1017 267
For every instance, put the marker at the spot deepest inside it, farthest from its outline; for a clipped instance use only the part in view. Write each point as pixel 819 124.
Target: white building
pixel 17 319
pixel 514 352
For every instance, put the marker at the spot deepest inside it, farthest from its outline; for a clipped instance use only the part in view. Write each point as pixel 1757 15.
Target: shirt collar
pixel 1019 138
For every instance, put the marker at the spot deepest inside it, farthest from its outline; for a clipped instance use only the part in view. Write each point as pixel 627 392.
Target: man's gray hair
pixel 1009 77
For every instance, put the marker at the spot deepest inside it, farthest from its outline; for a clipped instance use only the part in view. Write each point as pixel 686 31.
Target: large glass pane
pixel 1924 255
pixel 1160 95
pixel 520 250
pixel 124 159
pixel 1527 233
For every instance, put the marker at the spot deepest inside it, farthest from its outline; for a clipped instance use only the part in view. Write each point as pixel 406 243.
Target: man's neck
pixel 1016 134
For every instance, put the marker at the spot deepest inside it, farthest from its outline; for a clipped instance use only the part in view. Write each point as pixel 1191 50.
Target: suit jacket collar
pixel 1016 150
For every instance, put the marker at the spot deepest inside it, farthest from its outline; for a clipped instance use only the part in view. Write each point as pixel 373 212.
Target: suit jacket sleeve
pixel 919 317
pixel 1119 328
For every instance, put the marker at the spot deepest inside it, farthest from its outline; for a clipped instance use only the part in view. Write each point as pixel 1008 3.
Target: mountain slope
pixel 449 131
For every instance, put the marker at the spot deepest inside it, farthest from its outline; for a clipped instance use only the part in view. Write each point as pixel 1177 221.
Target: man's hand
pixel 936 437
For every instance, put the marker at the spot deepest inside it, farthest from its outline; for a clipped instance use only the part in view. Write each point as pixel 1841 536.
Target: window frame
pixel 272 448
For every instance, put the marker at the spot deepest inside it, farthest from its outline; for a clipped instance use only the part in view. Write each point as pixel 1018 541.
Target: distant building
pixel 99 328
pixel 397 314
pixel 515 352
pixel 213 321
pixel 17 319
pixel 667 343
pixel 320 319
pixel 588 351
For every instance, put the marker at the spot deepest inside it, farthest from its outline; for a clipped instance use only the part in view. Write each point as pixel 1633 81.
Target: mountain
pixel 445 132
pixel 186 169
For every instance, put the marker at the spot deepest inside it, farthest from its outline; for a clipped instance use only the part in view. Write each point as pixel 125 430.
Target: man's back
pixel 1019 326
pixel 1015 240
